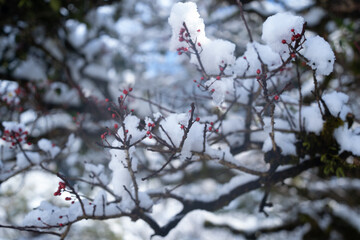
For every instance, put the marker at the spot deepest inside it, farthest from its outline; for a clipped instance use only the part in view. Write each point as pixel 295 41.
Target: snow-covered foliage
pixel 121 127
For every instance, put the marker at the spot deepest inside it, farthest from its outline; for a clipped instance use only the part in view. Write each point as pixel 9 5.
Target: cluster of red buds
pixel 15 137
pixel 184 36
pixel 294 37
pixel 150 127
pixel 60 189
pixel 103 136
pixel 181 50
pixel 121 100
pixel 211 128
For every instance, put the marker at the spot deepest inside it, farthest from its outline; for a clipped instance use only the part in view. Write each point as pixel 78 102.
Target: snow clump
pixel 320 55
pixel 279 27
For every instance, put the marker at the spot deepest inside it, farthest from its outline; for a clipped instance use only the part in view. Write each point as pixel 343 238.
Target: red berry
pixel 102 136
pixel 130 89
pixel 212 90
pixel 121 97
pixel 149 125
pixel 198 30
pixel 60 217
pixel 210 128
pixel 197 119
pixel 148 132
pixel 125 91
pixel 194 80
pixel 126 131
pixel 199 44
pixel 293 55
pixel 68 198
pixel 211 123
pixel 106 100
pixel 39 218
pixel 218 78
pixel 292 30
pixel 182 126
pixel 153 125
pixel 113 115
pixel 283 41
pixel 150 136
pixel 202 78
pixel 292 38
pixel 116 126
pixel 258 71
pixel 276 97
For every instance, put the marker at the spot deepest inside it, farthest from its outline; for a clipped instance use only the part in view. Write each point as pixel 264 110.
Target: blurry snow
pixel 8 92
pixel 77 32
pixel 347 139
pixel 128 27
pixel 31 69
pixel 48 147
pixel 314 16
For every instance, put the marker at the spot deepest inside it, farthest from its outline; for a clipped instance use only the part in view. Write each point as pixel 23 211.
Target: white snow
pixel 278 27
pixel 8 92
pixel 46 145
pixel 286 141
pixel 311 119
pixel 320 55
pixel 336 101
pixel 347 139
pixel 24 159
pixel 213 53
pixel 186 12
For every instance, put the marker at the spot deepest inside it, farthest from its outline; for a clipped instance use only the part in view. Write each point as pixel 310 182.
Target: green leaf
pixel 55 5
pixel 340 172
